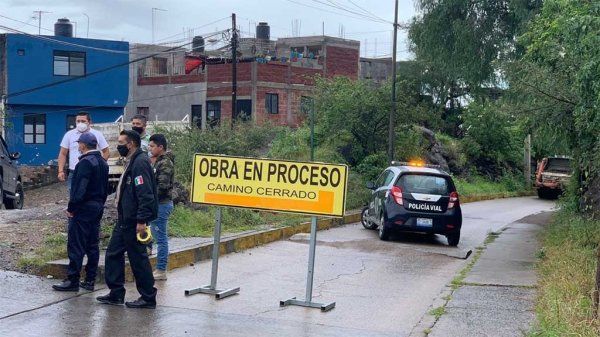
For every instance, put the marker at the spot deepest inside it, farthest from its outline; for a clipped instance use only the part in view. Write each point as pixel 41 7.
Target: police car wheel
pixel 453 239
pixel 384 232
pixel 364 220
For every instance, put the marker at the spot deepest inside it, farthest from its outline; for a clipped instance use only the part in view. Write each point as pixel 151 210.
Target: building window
pixel 34 129
pixel 272 103
pixel 213 113
pixel 71 124
pixel 159 66
pixel 143 110
pixel 69 63
pixel 196 119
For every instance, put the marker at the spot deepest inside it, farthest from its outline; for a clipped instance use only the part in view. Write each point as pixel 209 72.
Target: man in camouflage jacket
pixel 164 171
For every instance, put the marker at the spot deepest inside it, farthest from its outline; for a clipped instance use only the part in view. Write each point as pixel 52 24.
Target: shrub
pixel 244 139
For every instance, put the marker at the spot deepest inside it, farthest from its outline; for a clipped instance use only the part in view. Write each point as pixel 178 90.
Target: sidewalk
pixel 497 296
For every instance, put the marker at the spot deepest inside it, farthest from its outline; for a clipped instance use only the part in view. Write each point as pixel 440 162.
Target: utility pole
pixel 39 15
pixel 234 38
pixel 391 132
pixel 527 160
pixel 153 10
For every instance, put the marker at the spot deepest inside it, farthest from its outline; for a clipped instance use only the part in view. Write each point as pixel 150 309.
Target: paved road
pixel 380 288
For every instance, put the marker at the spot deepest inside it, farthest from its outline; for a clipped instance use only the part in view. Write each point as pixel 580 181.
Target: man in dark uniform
pixel 137 205
pixel 86 205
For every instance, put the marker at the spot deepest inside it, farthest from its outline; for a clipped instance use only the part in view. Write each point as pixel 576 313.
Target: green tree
pixel 559 75
pixel 352 116
pixel 462 45
pixel 492 138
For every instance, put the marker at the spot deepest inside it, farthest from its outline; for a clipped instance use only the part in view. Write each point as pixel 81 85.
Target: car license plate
pixel 424 222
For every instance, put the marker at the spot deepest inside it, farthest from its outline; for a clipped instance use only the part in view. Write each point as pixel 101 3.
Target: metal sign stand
pixel 212 288
pixel 309 279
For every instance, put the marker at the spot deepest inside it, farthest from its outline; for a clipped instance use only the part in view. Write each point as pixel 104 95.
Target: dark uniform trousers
pixel 83 239
pixel 123 240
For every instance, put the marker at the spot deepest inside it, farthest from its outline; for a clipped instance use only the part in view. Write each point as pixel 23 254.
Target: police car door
pixel 383 187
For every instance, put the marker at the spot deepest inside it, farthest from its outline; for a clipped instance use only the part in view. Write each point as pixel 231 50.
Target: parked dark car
pixel 415 198
pixel 11 187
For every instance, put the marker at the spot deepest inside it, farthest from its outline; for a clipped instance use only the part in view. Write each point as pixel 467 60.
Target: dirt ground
pixel 22 231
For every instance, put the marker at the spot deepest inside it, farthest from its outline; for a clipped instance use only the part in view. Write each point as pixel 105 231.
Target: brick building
pixel 271 86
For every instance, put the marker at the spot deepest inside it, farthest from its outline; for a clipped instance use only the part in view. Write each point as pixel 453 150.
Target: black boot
pixel 67 285
pixel 109 299
pixel 141 304
pixel 87 285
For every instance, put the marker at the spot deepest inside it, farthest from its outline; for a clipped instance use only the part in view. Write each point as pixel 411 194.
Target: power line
pixel 112 51
pixel 364 10
pixel 26 91
pixel 65 43
pixel 334 4
pixel 23 22
pixel 101 49
pixel 334 12
pixel 208 24
pixel 90 107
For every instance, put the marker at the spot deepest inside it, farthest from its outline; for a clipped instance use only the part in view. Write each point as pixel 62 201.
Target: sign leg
pixel 310 276
pixel 212 287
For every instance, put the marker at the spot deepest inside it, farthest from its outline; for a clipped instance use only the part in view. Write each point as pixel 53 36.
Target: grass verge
pixel 186 222
pixel 479 185
pixel 55 247
pixel 566 268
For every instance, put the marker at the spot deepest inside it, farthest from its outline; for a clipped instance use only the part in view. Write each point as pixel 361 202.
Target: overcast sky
pixel 131 20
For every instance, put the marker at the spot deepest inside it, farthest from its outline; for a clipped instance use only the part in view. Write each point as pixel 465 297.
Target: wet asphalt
pixel 380 288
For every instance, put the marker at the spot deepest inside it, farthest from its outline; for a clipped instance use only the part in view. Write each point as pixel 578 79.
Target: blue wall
pixel 36 68
pixel 56 126
pixel 104 94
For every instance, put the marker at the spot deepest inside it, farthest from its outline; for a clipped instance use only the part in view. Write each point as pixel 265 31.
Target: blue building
pixel 46 80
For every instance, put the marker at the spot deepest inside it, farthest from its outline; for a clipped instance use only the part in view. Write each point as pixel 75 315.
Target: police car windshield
pixel 425 184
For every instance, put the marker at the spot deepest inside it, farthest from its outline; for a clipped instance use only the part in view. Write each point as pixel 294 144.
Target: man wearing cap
pixel 86 205
pixel 137 206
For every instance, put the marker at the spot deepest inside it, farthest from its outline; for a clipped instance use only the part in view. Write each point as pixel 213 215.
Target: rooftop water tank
pixel 63 27
pixel 263 31
pixel 198 44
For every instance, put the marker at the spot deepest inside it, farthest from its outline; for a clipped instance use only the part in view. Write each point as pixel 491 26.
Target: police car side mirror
pixel 370 185
pixel 15 156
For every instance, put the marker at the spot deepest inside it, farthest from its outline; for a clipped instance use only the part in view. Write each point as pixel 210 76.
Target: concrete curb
pixel 236 243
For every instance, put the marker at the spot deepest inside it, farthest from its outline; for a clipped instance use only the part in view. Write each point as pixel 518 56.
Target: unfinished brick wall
pixel 219 73
pixel 342 62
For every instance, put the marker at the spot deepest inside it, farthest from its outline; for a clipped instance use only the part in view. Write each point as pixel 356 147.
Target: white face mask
pixel 81 127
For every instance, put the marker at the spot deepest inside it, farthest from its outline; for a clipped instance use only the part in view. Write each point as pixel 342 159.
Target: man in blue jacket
pixel 86 205
pixel 137 205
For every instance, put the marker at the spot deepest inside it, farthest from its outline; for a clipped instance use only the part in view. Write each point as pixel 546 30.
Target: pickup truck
pixel 552 176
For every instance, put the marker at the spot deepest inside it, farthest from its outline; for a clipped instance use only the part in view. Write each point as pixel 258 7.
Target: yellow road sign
pixel 288 186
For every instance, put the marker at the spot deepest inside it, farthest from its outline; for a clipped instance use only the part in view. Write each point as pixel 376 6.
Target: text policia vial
pixel 276 185
pixel 295 173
